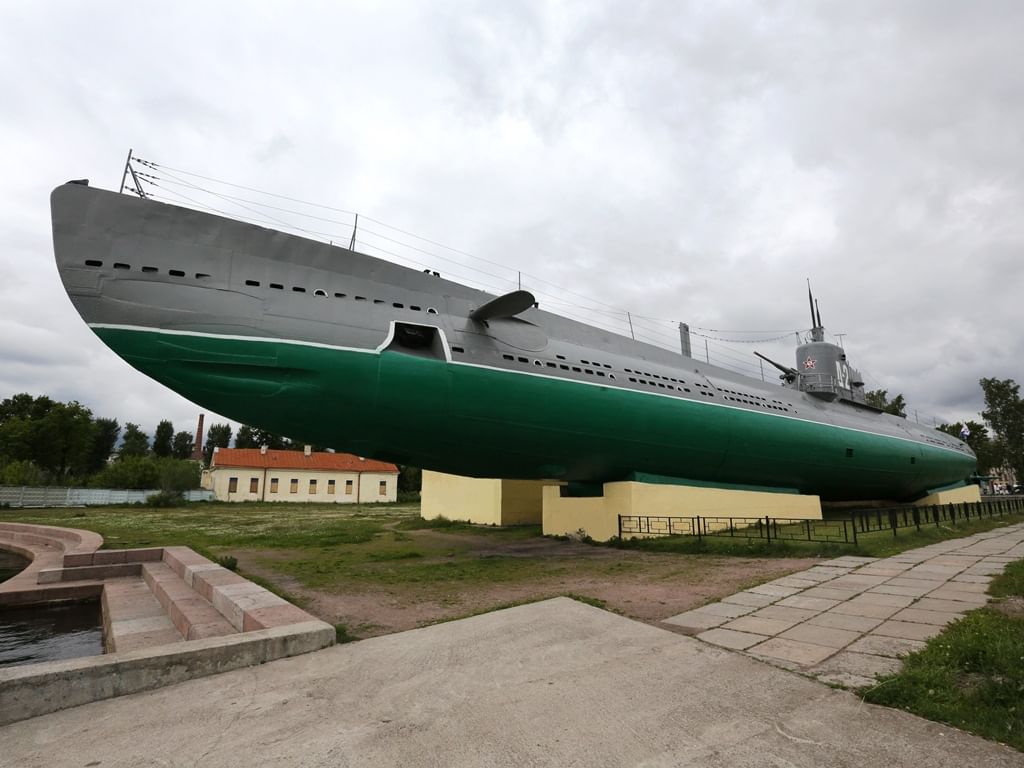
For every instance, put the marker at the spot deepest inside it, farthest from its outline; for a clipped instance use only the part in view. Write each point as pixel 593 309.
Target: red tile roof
pixel 331 462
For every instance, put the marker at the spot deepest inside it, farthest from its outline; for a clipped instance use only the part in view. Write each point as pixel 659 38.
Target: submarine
pixel 335 347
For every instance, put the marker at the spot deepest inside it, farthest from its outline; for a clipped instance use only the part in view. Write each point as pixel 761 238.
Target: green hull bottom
pixel 483 422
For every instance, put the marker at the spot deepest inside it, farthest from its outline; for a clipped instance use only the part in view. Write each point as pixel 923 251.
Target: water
pixel 50 632
pixel 11 564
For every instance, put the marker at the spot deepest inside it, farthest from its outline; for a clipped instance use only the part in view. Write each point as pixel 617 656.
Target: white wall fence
pixel 25 496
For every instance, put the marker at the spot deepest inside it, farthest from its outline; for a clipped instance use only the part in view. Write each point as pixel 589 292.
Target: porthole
pixel 320 292
pixel 431 311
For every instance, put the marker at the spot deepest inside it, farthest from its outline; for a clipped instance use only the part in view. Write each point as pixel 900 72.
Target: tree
pixel 135 472
pixel 181 446
pixel 409 478
pixel 1004 411
pixel 177 476
pixel 219 436
pixel 135 441
pixel 63 439
pixel 880 400
pixel 988 451
pixel 246 437
pixel 103 442
pixel 162 438
pixel 22 473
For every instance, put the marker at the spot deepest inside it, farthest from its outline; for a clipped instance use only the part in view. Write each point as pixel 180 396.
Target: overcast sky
pixel 683 161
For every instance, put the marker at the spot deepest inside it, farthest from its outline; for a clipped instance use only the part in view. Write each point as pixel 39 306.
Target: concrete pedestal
pixel 598 516
pixel 970 494
pixel 485 501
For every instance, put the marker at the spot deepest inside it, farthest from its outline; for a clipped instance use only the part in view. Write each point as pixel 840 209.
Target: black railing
pixel 846 530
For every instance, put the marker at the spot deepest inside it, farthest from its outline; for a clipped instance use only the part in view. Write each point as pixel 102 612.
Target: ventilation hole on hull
pixel 339 295
pixel 254 283
pixel 320 292
pixel 201 275
pixel 552 365
pixel 359 298
pixel 175 273
pixel 560 357
pixel 431 311
pixel 277 286
pixel 93 263
pixel 413 307
pixel 298 289
pixel 524 359
pixel 849 453
pixel 394 304
pixel 507 357
pixel 378 301
pixel 122 265
pixel 150 269
pixel 458 349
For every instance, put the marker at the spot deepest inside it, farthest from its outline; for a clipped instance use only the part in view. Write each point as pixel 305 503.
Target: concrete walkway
pixel 556 683
pixel 850 620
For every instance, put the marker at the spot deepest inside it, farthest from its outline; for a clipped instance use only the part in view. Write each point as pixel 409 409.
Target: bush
pixel 22 473
pixel 228 561
pixel 165 499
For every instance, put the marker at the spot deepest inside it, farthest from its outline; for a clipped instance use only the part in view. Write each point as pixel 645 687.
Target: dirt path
pixel 642 585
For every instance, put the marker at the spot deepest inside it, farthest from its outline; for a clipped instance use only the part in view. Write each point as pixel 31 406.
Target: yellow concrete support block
pixel 969 494
pixel 598 517
pixel 484 501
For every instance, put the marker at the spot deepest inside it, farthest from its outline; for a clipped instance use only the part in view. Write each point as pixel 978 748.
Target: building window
pixel 312 487
pixel 254 485
pixel 348 487
pixel 383 488
pixel 330 487
pixel 294 485
pixel 232 485
pixel 273 485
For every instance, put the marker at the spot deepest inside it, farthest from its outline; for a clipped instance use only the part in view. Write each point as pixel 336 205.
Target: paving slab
pixel 855 670
pixel 695 620
pixel 938 618
pixel 556 683
pixel 759 625
pixel 843 621
pixel 907 629
pixel 730 638
pixel 804 654
pixel 829 637
pixel 750 598
pixel 881 645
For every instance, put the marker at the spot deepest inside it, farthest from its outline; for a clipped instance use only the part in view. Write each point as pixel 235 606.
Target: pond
pixel 46 632
pixel 50 632
pixel 11 564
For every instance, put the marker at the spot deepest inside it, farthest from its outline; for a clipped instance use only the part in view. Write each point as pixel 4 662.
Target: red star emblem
pixel 809 363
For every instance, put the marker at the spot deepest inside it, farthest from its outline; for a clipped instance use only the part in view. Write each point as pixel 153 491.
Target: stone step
pixel 191 613
pixel 133 618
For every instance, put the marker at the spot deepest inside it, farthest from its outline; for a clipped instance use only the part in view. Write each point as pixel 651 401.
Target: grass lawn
pixel 972 675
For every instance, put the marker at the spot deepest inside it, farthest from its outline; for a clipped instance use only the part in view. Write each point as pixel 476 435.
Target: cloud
pixel 686 162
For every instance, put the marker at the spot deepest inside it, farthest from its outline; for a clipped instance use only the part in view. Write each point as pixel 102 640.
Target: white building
pixel 259 474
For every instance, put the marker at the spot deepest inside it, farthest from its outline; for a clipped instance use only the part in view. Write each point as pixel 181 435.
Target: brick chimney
pixel 263 450
pixel 197 449
pixel 307 450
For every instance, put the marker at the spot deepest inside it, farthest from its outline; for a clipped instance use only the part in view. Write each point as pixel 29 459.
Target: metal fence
pixel 26 496
pixel 846 530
